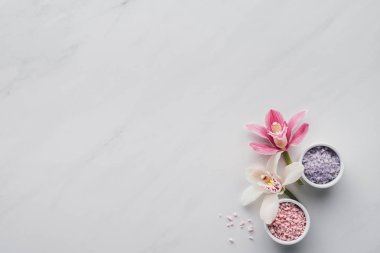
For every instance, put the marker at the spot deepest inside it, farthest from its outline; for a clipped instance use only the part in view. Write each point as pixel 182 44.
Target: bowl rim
pixel 336 179
pixel 307 227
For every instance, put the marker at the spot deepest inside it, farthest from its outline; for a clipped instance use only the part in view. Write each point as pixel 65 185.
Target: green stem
pixel 288 161
pixel 286 157
pixel 290 194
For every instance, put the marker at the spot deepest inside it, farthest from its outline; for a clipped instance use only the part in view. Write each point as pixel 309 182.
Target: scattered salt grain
pixel 245 225
pixel 230 225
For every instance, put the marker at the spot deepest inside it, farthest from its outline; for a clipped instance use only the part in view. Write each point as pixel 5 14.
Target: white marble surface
pixel 121 122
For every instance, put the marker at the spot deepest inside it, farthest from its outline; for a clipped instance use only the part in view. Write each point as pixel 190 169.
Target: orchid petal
pixel 273 116
pixel 249 195
pixel 273 162
pixel 263 149
pixel 269 208
pixel 258 130
pixel 253 174
pixel 293 122
pixel 292 173
pixel 299 134
pixel 270 138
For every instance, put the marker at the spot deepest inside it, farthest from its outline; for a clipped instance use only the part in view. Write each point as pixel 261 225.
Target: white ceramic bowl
pixel 335 180
pixel 304 232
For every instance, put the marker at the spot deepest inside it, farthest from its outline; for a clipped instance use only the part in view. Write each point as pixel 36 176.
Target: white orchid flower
pixel 267 182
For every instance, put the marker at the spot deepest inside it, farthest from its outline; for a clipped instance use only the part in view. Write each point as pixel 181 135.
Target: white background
pixel 121 122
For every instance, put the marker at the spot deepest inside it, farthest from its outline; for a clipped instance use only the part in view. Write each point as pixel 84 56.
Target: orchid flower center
pixel 271 184
pixel 276 127
pixel 278 132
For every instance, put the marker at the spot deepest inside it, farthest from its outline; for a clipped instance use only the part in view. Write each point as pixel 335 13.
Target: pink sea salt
pixel 289 223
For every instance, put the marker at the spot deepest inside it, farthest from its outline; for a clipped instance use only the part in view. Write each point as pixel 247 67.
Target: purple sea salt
pixel 322 164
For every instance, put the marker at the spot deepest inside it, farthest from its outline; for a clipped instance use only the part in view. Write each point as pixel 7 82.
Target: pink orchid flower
pixel 281 135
